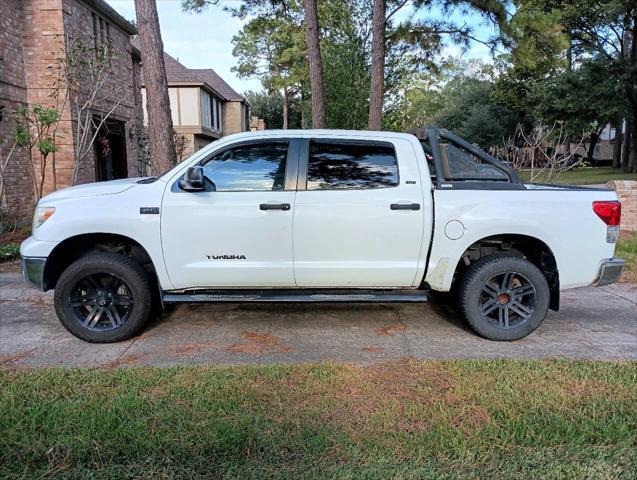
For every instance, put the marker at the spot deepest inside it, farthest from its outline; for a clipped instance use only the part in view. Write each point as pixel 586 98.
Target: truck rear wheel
pixel 103 298
pixel 504 298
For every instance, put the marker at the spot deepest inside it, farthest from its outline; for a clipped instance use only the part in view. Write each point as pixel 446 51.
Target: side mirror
pixel 194 180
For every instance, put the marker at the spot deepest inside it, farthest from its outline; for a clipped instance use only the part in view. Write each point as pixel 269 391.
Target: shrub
pixel 9 251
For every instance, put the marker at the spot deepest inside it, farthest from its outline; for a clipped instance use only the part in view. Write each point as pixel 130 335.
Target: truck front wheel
pixel 504 298
pixel 103 297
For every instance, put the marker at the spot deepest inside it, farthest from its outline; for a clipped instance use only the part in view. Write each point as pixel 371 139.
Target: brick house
pixel 34 34
pixel 203 106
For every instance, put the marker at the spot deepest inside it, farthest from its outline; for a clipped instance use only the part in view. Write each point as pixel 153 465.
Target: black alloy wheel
pixel 104 297
pixel 507 300
pixel 503 297
pixel 101 301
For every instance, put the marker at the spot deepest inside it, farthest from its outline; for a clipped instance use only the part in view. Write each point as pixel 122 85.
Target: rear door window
pixel 351 165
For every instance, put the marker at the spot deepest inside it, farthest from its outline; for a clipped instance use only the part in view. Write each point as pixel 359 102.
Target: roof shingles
pixel 177 72
pixel 211 77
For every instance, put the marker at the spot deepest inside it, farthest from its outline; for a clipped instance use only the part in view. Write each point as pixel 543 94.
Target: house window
pixel 213 111
pixel 101 31
pixel 95 31
pixel 219 124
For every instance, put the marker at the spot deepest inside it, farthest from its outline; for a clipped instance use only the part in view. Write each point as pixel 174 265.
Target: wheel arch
pixel 72 248
pixel 529 247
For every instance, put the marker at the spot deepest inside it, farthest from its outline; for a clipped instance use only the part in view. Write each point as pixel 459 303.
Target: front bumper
pixel 609 272
pixel 33 271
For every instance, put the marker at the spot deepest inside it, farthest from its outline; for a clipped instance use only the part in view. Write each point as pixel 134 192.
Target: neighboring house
pixel 203 106
pixel 33 36
pixel 603 152
pixel 257 124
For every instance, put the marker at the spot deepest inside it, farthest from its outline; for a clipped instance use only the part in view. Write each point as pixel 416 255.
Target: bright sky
pixel 204 40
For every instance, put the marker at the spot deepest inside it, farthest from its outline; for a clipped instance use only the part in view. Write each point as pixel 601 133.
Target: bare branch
pixel 395 10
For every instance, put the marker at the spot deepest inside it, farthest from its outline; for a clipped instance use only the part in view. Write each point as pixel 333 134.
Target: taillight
pixel 610 212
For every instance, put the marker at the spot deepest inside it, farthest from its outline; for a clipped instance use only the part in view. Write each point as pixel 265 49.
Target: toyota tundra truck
pixel 322 216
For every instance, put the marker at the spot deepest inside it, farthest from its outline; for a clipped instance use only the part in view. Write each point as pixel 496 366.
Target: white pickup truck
pixel 322 216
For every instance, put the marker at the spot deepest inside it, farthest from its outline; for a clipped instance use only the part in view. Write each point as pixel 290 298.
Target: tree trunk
pixel 160 125
pixel 617 146
pixel 302 104
pixel 626 145
pixel 285 109
pixel 631 161
pixel 378 66
pixel 631 128
pixel 629 146
pixel 317 85
pixel 594 138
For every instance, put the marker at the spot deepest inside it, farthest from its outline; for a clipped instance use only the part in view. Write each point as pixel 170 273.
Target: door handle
pixel 405 206
pixel 274 206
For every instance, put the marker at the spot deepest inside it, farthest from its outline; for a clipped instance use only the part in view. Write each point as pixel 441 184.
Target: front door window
pixel 248 168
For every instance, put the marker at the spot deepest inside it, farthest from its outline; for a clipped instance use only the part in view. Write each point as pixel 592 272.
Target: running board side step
pixel 304 296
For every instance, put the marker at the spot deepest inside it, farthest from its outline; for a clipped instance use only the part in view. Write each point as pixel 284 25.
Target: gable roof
pixel 211 77
pixel 177 72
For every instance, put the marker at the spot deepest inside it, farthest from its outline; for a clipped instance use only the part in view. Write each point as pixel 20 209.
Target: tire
pixel 504 298
pixel 104 298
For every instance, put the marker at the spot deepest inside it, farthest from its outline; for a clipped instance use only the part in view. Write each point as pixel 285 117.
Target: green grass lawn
pixel 584 176
pixel 627 249
pixel 412 419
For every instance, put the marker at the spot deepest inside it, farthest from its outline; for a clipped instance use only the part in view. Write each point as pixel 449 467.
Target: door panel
pixel 228 238
pixel 353 237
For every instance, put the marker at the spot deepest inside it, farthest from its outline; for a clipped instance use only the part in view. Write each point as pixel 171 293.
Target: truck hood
pixel 92 189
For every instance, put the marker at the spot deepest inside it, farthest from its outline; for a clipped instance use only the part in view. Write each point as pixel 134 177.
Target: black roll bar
pixel 481 154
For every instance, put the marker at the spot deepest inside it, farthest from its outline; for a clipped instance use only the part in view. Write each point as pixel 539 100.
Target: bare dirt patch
pixel 373 349
pixel 390 330
pixel 128 360
pixel 438 377
pixel 472 418
pixel 190 349
pixel 258 343
pixel 10 358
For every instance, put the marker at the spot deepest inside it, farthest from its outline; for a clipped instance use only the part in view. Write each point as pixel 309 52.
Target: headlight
pixel 41 215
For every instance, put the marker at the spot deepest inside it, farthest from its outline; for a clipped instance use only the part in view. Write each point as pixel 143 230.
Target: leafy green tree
pixel 458 98
pixel 270 47
pixel 269 107
pixel 536 51
pixel 345 54
pixel 553 40
pixel 582 100
pixel 606 30
pixel 416 44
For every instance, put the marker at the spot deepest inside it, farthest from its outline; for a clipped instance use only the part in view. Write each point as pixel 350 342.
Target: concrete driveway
pixel 593 323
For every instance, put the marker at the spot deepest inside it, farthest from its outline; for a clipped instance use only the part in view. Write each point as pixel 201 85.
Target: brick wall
pixel 33 36
pixel 13 96
pixel 627 193
pixel 43 44
pixel 121 83
pixel 233 117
